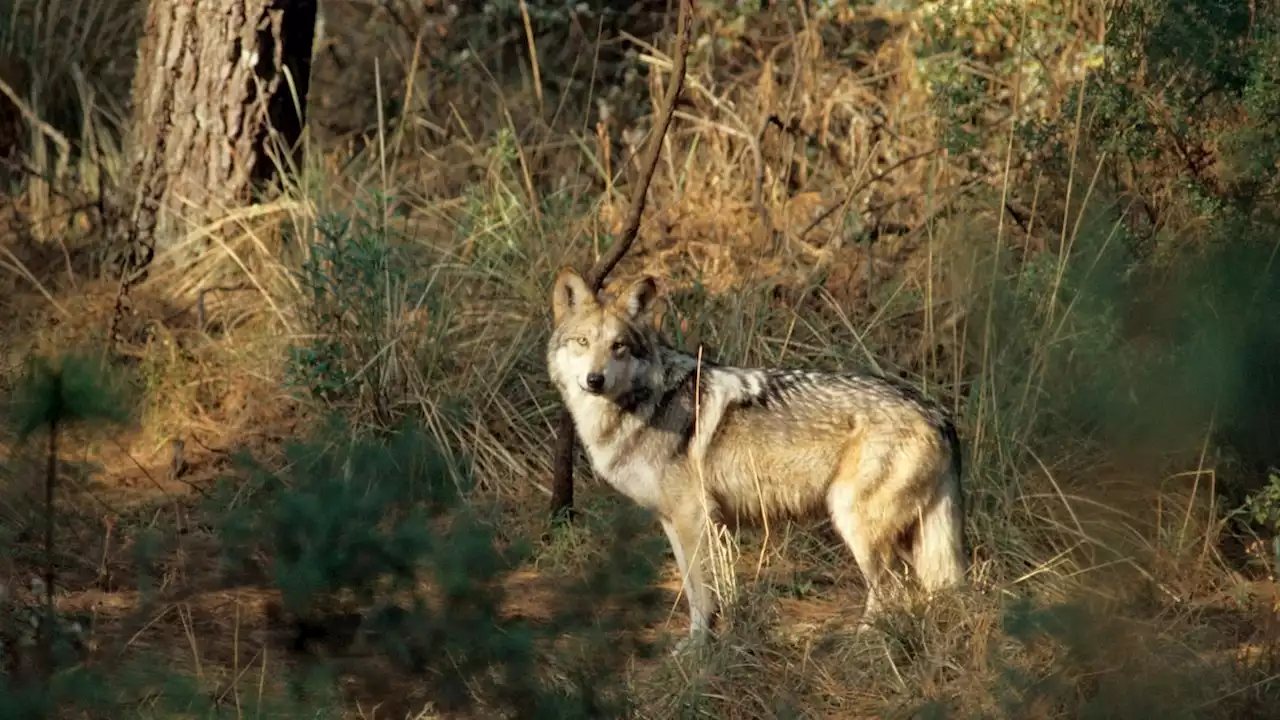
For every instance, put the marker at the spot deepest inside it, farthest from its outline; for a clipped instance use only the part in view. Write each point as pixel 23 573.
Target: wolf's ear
pixel 638 299
pixel 569 294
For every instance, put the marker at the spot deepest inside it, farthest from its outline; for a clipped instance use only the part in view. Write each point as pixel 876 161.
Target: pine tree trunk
pixel 209 99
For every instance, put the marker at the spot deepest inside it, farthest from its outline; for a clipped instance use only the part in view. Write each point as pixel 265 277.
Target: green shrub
pixel 369 308
pixel 377 529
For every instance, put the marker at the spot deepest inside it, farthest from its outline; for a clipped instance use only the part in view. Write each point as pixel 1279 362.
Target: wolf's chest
pixel 633 476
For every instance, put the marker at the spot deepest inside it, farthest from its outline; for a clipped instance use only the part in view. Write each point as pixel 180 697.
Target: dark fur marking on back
pixel 681 392
pixel 661 407
pixel 779 383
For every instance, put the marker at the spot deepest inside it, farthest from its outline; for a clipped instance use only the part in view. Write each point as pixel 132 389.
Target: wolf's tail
pixel 940 557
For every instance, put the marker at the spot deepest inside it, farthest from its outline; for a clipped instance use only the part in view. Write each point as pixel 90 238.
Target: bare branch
pixel 562 480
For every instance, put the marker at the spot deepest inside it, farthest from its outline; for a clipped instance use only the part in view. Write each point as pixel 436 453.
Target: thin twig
pixel 201 314
pixel 50 617
pixel 533 53
pixel 878 177
pixel 757 190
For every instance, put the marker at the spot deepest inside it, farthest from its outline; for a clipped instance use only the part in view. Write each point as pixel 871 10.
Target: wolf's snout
pixel 595 382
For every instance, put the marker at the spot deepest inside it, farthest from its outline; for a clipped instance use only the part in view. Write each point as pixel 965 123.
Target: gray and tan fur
pixel 695 442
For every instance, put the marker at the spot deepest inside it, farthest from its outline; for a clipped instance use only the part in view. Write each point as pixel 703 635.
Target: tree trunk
pixel 210 101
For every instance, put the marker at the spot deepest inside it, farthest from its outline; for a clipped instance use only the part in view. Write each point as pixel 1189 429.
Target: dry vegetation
pixel 938 194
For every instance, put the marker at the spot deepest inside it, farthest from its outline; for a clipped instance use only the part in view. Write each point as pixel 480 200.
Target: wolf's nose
pixel 595 382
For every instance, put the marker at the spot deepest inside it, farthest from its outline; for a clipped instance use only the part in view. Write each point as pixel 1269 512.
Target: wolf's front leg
pixel 685 531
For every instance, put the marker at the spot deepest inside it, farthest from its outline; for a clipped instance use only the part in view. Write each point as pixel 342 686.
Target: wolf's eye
pixel 620 349
pixel 580 341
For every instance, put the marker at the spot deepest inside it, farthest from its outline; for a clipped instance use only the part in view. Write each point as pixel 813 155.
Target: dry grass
pixel 763 237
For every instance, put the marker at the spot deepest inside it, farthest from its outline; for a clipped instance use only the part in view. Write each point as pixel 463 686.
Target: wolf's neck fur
pixel 672 368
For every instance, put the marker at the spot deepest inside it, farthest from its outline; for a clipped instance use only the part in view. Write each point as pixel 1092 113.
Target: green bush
pixel 377 529
pixel 370 308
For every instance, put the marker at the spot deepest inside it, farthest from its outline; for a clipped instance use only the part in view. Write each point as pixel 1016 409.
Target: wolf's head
pixel 604 349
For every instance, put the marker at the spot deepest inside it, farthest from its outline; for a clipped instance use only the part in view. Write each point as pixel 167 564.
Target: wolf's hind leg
pixel 863 502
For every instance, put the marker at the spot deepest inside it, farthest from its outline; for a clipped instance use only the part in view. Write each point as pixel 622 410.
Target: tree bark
pixel 209 99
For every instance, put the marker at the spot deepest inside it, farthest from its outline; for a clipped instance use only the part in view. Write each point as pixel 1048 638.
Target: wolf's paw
pixel 867 627
pixel 689 645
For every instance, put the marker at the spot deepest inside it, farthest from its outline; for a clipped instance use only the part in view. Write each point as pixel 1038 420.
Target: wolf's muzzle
pixel 595 382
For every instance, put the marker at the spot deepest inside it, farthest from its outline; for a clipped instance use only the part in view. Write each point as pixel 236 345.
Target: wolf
pixel 696 442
